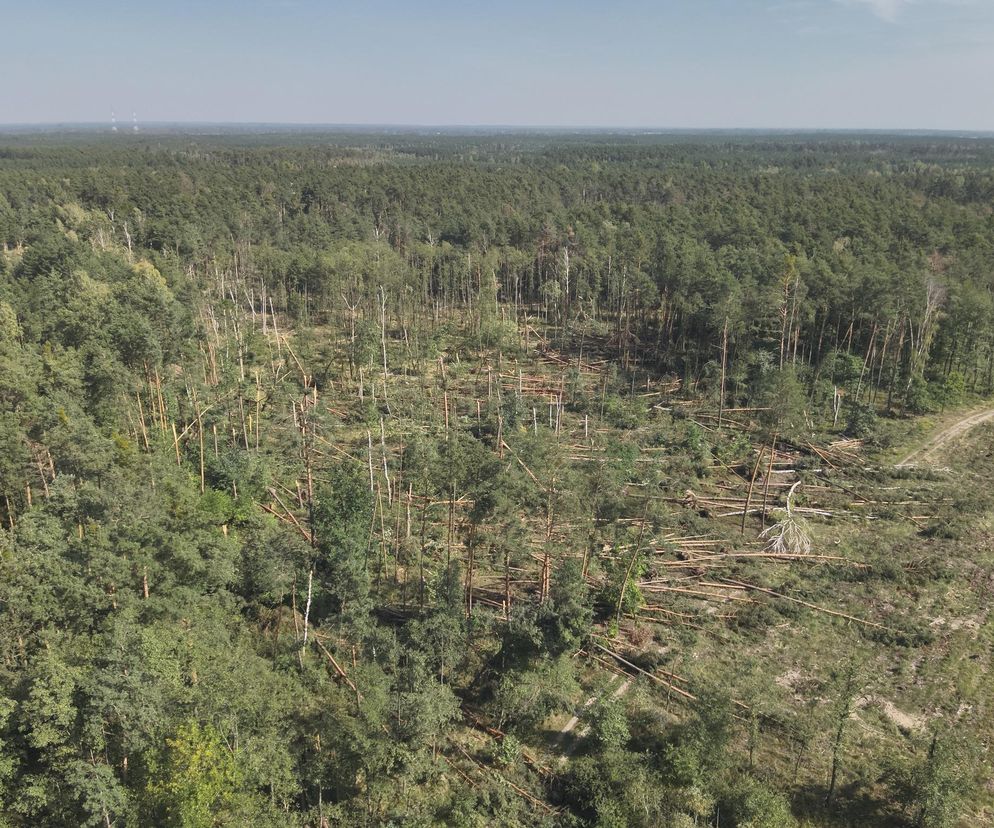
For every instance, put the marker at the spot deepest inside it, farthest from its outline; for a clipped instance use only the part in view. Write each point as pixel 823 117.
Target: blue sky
pixel 925 64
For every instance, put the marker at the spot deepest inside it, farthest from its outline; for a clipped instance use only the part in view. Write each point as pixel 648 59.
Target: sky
pixel 873 64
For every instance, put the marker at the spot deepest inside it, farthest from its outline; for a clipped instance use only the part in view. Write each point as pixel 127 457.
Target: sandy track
pixel 927 453
pixel 619 691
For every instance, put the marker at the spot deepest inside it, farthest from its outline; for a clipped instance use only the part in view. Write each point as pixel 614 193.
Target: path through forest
pixel 568 728
pixel 924 453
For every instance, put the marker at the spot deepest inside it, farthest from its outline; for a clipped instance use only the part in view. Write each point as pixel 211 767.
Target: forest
pixel 518 479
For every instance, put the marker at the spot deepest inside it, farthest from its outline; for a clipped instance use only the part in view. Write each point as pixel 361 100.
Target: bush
pixel 609 725
pixel 782 395
pixel 918 399
pixel 861 421
pixel 751 804
pixel 625 412
pixel 507 751
pixel 952 390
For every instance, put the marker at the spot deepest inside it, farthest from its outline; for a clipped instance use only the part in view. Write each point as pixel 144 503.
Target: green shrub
pixel 750 804
pixel 861 420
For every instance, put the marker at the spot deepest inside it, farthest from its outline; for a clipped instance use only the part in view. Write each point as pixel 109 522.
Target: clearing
pixel 924 453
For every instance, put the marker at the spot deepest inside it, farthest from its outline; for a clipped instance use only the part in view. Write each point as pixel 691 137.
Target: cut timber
pixel 809 605
pixel 338 668
pixel 678 690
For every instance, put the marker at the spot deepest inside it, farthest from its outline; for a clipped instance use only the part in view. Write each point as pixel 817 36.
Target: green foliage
pixel 524 698
pixel 195 782
pixel 565 619
pixel 750 804
pixel 918 398
pixel 781 393
pixel 698 450
pixel 861 420
pixel 624 412
pixel 951 391
pixel 196 337
pixel 8 762
pixel 507 751
pixel 846 370
pixel 609 724
pixel 932 788
pixel 698 751
pixel 342 514
pixel 619 788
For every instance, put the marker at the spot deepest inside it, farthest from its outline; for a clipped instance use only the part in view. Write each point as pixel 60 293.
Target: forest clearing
pixel 397 479
pixel 941 440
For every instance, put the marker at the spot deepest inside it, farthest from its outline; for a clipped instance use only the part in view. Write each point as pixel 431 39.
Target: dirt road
pixel 928 452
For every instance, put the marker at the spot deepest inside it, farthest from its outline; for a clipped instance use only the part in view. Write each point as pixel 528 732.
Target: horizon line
pixel 510 127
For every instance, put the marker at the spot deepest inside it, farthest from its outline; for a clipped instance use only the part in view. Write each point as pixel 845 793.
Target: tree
pixel 196 782
pixel 343 511
pixel 848 682
pixel 933 787
pixel 608 723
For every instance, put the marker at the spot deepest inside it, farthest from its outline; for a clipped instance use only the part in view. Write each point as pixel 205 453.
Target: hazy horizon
pixel 882 65
pixel 124 129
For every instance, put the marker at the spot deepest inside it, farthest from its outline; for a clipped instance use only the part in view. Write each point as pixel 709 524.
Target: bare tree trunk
pixel 383 341
pixel 724 366
pixel 307 606
pixel 752 483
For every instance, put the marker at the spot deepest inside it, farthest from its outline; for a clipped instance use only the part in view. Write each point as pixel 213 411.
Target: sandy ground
pixel 928 452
